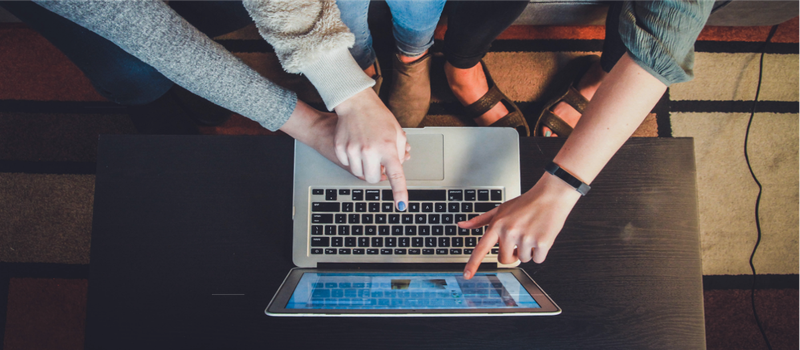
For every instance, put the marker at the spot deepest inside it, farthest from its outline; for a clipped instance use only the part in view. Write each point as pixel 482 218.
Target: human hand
pixel 371 143
pixel 530 222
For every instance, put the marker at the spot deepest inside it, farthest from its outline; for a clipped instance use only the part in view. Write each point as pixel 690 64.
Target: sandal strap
pixel 485 103
pixel 515 120
pixel 575 99
pixel 555 123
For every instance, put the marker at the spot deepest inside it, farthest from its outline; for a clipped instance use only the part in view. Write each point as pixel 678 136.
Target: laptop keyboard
pixel 365 221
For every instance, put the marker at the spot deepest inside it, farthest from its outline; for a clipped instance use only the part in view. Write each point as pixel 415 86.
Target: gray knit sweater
pixel 154 33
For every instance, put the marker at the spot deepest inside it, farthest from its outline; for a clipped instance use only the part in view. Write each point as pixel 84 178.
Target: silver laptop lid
pixel 441 157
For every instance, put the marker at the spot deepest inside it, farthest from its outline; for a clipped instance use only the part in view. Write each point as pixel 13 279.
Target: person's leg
pixel 354 14
pixel 413 25
pixel 472 26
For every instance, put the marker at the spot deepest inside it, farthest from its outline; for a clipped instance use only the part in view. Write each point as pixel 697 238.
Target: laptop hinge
pixel 401 266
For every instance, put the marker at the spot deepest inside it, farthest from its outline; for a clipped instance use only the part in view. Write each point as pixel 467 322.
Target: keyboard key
pixel 413 251
pixel 427 195
pixel 458 241
pixel 460 218
pixel 344 251
pixel 429 242
pixel 317 191
pixel 394 218
pixel 463 231
pixel 433 218
pixel 453 207
pixel 400 252
pixel 469 195
pixel 411 230
pixel 447 218
pixel 387 196
pixel 427 207
pixel 441 251
pixel 374 207
pixel 391 242
pixel 322 218
pixel 316 251
pixel 471 241
pixel 370 230
pixel 453 251
pixel 440 207
pixel 349 241
pixel 424 230
pixel 484 207
pixel 347 207
pixel 387 207
pixel 497 195
pixel 373 195
pixel 397 230
pixel 386 252
pixel 377 242
pixel 380 218
pixel 413 207
pixel 417 241
pixel 427 251
pixel 437 230
pixel 336 241
pixel 477 231
pixel 420 219
pixel 358 195
pixel 372 251
pixel 320 241
pixel 357 230
pixel 344 230
pixel 330 230
pixel 330 207
pixel 330 251
pixel 450 230
pixel 363 241
pixel 483 195
pixel 361 207
pixel 454 195
pixel 316 229
pixel 358 251
pixel 330 195
pixel 468 251
pixel 366 218
pixel 344 191
pixel 466 207
pixel 384 230
pixel 341 218
pixel 495 251
pixel 403 242
pixel 444 241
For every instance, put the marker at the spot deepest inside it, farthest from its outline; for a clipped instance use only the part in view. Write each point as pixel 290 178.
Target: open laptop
pixel 344 228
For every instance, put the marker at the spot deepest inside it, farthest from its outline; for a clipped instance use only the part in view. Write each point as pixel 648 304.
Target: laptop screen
pixel 368 291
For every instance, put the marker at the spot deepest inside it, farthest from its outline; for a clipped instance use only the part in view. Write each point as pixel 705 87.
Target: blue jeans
pixel 413 24
pixel 114 73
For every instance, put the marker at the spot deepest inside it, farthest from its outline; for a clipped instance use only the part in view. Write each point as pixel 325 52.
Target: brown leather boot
pixel 410 94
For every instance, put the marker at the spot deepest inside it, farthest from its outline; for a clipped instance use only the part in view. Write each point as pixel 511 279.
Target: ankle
pixel 407 59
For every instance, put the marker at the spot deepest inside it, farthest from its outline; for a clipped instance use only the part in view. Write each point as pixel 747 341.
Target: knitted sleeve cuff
pixel 337 77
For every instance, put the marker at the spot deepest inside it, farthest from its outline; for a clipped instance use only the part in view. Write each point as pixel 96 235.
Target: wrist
pixel 354 103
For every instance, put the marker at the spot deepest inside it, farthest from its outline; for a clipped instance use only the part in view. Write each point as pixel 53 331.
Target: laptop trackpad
pixel 427 157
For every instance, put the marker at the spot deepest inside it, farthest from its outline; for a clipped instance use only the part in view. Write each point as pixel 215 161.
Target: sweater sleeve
pixel 155 34
pixel 660 35
pixel 310 38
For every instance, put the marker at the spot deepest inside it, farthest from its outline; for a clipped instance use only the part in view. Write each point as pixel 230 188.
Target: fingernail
pixel 466 274
pixel 547 133
pixel 401 206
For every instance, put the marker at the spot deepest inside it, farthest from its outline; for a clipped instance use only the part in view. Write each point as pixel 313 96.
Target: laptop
pixel 357 255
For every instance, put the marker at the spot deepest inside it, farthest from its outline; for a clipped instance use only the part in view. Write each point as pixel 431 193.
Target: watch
pixel 571 180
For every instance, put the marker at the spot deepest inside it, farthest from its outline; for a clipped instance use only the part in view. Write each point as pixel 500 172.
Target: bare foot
pixel 469 85
pixel 587 86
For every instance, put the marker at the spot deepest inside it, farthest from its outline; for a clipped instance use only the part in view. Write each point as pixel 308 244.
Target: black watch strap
pixel 562 174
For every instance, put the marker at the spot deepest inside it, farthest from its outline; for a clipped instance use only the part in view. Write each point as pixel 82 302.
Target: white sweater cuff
pixel 337 77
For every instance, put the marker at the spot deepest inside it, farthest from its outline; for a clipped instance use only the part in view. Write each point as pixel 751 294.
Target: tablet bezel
pixel 277 305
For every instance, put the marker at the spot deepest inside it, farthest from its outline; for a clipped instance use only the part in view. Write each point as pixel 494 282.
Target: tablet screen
pixel 367 291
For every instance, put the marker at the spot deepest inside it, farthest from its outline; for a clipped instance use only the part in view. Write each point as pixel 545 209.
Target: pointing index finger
pixel 483 248
pixel 397 179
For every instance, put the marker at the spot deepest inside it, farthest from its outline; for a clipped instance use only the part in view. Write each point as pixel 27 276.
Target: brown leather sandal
pixel 513 119
pixel 563 88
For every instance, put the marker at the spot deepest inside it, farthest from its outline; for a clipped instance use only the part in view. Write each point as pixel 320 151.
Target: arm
pixel 310 38
pixel 533 220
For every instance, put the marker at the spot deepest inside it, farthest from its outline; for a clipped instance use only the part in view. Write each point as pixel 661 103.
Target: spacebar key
pixel 427 195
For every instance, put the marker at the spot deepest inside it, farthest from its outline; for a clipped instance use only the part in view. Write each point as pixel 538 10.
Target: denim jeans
pixel 114 73
pixel 413 24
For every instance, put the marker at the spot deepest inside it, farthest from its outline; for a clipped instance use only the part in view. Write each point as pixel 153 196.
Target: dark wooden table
pixel 179 218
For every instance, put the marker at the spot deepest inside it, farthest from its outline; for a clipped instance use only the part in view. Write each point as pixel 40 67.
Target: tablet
pixel 317 292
